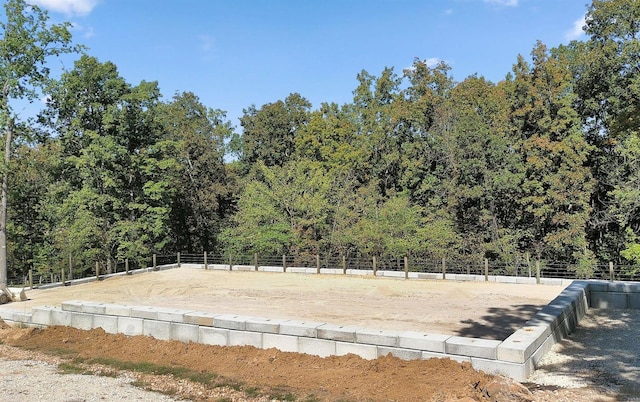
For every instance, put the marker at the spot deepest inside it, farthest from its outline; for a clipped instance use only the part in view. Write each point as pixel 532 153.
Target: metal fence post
pixel 284 263
pixel 538 272
pixel 318 263
pixel 444 268
pixel 255 261
pixel 155 265
pixel 31 279
pixel 70 267
pixel 230 262
pixel 62 277
pixel 206 266
pixel 344 265
pixel 375 266
pixel 97 270
pixel 178 259
pixel 126 266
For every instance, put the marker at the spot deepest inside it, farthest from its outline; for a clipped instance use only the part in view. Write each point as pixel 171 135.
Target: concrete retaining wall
pixel 515 357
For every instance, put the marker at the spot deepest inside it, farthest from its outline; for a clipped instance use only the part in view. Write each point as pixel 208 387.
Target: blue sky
pixel 236 53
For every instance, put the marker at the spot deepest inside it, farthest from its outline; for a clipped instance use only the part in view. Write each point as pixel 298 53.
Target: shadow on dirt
pixel 499 323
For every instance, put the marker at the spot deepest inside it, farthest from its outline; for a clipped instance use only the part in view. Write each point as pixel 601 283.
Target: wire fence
pixel 532 269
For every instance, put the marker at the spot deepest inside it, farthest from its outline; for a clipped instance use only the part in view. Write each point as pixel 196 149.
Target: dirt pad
pixel 486 310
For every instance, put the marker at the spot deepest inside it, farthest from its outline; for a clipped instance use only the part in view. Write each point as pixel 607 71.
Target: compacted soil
pixel 201 372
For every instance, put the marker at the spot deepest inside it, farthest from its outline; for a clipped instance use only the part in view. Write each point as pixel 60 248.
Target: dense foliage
pixel 543 164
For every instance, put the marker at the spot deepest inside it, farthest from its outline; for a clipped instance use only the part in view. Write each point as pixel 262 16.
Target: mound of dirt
pixel 327 379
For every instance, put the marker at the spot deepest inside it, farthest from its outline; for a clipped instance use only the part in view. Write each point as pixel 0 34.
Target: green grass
pixel 71 368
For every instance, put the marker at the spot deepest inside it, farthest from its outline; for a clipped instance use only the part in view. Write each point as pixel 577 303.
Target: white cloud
pixel 432 62
pixel 207 47
pixel 68 7
pixel 577 31
pixel 502 3
pixel 86 32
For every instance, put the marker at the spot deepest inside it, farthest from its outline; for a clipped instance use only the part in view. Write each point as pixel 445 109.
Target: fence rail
pixel 534 269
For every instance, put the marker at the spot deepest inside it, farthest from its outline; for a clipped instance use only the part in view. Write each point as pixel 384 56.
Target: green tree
pixel 557 182
pixel 202 199
pixel 112 198
pixel 269 133
pixel 28 41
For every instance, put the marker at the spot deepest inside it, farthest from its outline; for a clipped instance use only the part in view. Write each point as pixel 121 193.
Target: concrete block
pixel 94 308
pixel 198 318
pixel 429 275
pixel 219 267
pixel 244 268
pixel 296 270
pixel 317 347
pixel 72 305
pixel 307 329
pixel 271 269
pixel 421 341
pixel 59 317
pixel 456 358
pixel 285 343
pixel 146 312
pixel 634 300
pixel 473 347
pixel 368 352
pixel 434 355
pixel 265 325
pixel 213 336
pixel 598 286
pixel 117 309
pixel 245 338
pixel 157 329
pixel 17 317
pixel 108 323
pixel 130 326
pixel 331 271
pixel 391 274
pixel 624 287
pixel 377 337
pixel 81 320
pixel 552 281
pixel 520 345
pixel 231 321
pixel 404 354
pixel 505 279
pixel 525 280
pixel 608 300
pixel 184 332
pixel 171 314
pixel 544 348
pixel 464 277
pixel 337 332
pixel 516 371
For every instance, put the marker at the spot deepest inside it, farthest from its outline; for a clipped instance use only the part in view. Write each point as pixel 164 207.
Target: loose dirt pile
pixel 272 373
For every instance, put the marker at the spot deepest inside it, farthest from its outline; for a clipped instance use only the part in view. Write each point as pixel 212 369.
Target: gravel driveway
pixel 603 353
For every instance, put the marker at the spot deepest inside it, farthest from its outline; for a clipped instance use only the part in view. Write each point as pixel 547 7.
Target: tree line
pixel 543 164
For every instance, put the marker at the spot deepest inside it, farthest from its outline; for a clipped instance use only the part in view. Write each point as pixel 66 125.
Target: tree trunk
pixel 3 203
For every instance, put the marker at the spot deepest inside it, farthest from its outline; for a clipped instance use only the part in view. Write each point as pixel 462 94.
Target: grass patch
pixel 71 368
pixel 282 393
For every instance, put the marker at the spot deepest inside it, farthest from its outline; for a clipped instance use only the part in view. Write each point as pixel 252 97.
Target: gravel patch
pixel 33 380
pixel 603 353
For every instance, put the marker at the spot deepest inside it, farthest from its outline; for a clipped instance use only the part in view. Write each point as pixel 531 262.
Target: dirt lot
pixel 485 310
pixel 473 309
